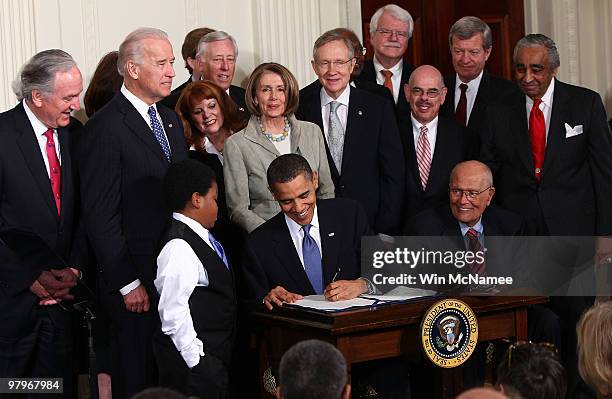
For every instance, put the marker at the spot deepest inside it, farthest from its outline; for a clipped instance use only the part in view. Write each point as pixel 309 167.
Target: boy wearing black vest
pixel 197 304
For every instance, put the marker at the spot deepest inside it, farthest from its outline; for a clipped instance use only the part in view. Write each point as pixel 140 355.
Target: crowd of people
pixel 184 209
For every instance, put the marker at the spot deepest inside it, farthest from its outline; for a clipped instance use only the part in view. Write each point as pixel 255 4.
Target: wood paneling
pixel 433 19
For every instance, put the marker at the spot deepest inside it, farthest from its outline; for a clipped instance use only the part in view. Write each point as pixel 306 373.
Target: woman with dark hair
pixel 272 97
pixel 105 83
pixel 209 117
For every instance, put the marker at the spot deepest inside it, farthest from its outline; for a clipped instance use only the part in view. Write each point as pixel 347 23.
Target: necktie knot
pixel 306 228
pixel 463 87
pixel 386 73
pixel 218 249
pixel 49 134
pixel 152 113
pixel 472 234
pixel 423 129
pixel 537 102
pixel 333 106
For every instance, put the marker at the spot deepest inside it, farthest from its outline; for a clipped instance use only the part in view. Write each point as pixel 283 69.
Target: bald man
pixel 481 393
pixel 433 144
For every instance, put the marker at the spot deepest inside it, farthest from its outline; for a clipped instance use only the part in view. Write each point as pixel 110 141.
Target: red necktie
pixel 423 154
pixel 55 171
pixel 475 246
pixel 388 83
pixel 461 111
pixel 537 134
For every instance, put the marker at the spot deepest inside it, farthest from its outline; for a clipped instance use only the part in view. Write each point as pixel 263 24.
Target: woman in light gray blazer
pixel 272 97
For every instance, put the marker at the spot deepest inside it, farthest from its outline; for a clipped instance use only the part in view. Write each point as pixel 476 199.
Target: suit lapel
pixel 556 130
pixel 441 154
pixel 480 102
pixel 330 234
pixel 252 134
pixel 409 150
pixel 30 151
pixel 312 112
pixel 139 127
pixel 286 254
pixel 354 125
pixel 66 170
pixel 521 134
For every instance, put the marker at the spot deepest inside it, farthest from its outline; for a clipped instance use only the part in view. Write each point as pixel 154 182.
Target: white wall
pixel 266 30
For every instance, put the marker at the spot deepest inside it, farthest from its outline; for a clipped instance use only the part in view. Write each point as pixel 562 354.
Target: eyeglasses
pixel 418 92
pixel 545 345
pixel 325 64
pixel 470 194
pixel 388 33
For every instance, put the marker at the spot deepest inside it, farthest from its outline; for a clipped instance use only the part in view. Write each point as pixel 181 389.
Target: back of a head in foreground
pixel 534 370
pixel 313 369
pixel 481 393
pixel 594 332
pixel 159 393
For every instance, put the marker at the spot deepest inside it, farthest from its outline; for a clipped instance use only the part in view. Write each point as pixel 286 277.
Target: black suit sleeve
pixel 392 174
pixel 255 281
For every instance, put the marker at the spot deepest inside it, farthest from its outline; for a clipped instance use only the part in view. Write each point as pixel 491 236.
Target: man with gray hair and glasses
pixel 37 194
pixel 471 89
pixel 125 151
pixel 216 61
pixel 390 30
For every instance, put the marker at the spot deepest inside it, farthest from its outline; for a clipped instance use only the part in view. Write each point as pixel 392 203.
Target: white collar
pixel 547 97
pixel 193 225
pixel 38 127
pixel 473 84
pixel 431 126
pixel 141 106
pixel 343 98
pixel 295 228
pixel 395 69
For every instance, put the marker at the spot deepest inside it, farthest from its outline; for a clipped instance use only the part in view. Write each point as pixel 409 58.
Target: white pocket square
pixel 573 131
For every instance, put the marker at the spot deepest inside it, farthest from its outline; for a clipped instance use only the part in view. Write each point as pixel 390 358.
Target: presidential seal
pixel 449 333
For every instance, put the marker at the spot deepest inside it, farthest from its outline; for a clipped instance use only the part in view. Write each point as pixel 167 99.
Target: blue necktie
pixel 312 260
pixel 218 249
pixel 158 132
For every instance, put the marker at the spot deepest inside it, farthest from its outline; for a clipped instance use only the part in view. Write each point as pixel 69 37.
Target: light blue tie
pixel 335 135
pixel 218 249
pixel 158 132
pixel 312 260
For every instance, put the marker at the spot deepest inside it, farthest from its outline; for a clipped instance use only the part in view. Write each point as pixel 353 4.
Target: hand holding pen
pixel 341 290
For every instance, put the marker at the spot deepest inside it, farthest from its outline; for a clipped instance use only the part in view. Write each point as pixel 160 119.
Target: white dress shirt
pixel 297 234
pixel 39 131
pixel 143 109
pixel 179 271
pixel 432 133
pixel 545 106
pixel 470 93
pixel 396 79
pixel 211 149
pixel 341 111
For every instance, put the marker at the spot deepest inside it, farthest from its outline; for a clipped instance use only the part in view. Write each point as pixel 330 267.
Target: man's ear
pixel 191 62
pixel 37 98
pixel 346 393
pixel 196 200
pixel 132 69
pixel 277 393
pixel 491 194
pixel 315 179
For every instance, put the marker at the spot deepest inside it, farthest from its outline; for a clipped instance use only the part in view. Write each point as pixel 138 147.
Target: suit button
pixel 342 187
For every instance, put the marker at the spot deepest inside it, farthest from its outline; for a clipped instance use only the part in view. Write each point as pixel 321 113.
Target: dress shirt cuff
pixel 370 287
pixel 192 352
pixel 130 287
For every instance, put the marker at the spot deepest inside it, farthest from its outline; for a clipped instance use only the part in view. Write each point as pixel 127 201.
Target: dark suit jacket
pixel 173 98
pixel 369 74
pixel 237 94
pixel 26 202
pixel 573 196
pixel 451 148
pixel 121 167
pixel 271 258
pixel 372 161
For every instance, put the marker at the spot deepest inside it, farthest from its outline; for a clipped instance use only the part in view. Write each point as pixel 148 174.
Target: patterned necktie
pixel 158 132
pixel 335 135
pixel 388 82
pixel 537 134
pixel 475 246
pixel 423 156
pixel 461 111
pixel 312 260
pixel 55 171
pixel 218 249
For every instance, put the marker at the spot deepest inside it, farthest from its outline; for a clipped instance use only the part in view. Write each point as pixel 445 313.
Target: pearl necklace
pixel 273 137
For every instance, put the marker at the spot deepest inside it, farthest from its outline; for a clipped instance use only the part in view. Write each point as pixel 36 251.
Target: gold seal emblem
pixel 449 333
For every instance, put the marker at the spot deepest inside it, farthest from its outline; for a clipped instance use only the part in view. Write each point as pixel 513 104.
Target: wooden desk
pixel 387 331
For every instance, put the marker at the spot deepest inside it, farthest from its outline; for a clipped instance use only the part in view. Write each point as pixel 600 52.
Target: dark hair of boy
pixel 185 178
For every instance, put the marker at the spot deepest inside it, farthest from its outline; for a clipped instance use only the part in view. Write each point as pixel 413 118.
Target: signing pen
pixel 336 275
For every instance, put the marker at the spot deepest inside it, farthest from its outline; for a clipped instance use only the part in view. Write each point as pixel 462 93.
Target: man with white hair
pixel 390 30
pixel 126 149
pixel 216 61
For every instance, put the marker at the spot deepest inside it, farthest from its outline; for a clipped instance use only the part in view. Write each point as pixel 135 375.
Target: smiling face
pixel 152 77
pixel 219 62
pixel 469 56
pixel 470 176
pixel 333 67
pixel 54 109
pixel 207 116
pixel 297 198
pixel 532 71
pixel 425 81
pixel 389 48
pixel 270 95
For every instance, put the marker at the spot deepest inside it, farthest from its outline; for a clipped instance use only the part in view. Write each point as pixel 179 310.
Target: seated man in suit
pixel 311 247
pixel 313 369
pixel 433 144
pixel 188 51
pixel 197 295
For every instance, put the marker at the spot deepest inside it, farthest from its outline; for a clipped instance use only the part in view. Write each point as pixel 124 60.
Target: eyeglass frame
pixel 431 93
pixel 401 34
pixel 469 194
pixel 337 63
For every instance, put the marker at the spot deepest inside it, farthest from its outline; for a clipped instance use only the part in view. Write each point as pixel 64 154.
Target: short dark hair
pixel 159 393
pixel 190 45
pixel 286 168
pixel 469 26
pixel 312 369
pixel 534 370
pixel 104 84
pixel 185 178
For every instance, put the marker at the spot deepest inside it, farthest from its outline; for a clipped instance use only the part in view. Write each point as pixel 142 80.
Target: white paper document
pixel 319 302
